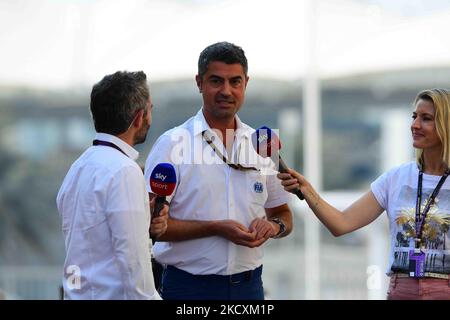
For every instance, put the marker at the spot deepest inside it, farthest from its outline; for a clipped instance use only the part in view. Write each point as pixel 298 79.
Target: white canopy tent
pixel 50 43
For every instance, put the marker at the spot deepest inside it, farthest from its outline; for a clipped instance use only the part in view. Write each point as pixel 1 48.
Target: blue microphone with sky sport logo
pixel 162 182
pixel 267 144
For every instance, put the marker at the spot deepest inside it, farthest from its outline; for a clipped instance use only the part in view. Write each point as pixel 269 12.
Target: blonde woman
pixel 416 197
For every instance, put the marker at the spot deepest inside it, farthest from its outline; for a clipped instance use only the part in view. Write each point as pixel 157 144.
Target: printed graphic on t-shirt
pixel 435 234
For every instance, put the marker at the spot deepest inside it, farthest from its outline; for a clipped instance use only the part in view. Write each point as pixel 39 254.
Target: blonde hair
pixel 441 101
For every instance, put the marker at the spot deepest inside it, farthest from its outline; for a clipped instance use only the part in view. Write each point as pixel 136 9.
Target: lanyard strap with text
pixel 420 218
pixel 107 144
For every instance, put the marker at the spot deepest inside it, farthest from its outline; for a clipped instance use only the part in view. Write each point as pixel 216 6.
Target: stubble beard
pixel 141 136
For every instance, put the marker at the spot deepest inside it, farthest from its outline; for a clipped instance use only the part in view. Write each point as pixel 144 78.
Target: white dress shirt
pixel 105 214
pixel 208 189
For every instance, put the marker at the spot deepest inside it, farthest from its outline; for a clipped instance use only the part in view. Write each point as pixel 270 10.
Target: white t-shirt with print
pixel 396 192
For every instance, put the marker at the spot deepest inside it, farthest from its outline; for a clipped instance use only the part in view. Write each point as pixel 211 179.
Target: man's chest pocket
pixel 256 189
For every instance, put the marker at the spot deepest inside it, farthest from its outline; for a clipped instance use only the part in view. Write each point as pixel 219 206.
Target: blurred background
pixel 337 77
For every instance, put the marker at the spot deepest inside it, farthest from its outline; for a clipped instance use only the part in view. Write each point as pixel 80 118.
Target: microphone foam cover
pixel 163 179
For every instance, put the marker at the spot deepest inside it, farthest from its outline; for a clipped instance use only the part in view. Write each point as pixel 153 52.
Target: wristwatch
pixel 282 227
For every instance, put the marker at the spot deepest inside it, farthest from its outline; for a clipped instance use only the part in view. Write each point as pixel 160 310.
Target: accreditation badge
pixel 416 263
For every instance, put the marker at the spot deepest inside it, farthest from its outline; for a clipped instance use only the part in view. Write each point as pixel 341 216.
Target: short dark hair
pixel 224 52
pixel 116 99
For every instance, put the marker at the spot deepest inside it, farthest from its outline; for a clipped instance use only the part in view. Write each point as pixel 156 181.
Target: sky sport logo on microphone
pixel 266 143
pixel 160 176
pixel 163 179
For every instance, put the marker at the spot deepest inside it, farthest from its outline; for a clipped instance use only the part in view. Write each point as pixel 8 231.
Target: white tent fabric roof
pixel 63 43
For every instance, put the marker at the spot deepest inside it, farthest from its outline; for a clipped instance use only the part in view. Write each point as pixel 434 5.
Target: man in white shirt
pixel 103 201
pixel 224 207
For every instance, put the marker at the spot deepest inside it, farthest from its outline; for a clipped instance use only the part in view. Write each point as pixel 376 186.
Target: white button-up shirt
pixel 208 189
pixel 104 208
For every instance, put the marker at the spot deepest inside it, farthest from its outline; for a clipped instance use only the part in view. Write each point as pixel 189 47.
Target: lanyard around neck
pixel 107 144
pixel 224 159
pixel 420 217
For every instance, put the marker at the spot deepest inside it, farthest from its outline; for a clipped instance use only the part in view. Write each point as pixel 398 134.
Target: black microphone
pixel 267 144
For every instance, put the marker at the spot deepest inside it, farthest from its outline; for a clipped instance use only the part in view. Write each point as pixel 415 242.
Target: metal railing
pixel 41 283
pixel 343 275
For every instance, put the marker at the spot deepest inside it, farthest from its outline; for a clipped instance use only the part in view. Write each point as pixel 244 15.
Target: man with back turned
pixel 103 202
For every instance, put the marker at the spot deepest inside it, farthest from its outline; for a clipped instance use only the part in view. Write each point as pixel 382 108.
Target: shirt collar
pixel 200 125
pixel 125 147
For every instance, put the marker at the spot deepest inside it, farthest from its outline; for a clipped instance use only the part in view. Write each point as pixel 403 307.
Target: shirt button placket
pixel 232 216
